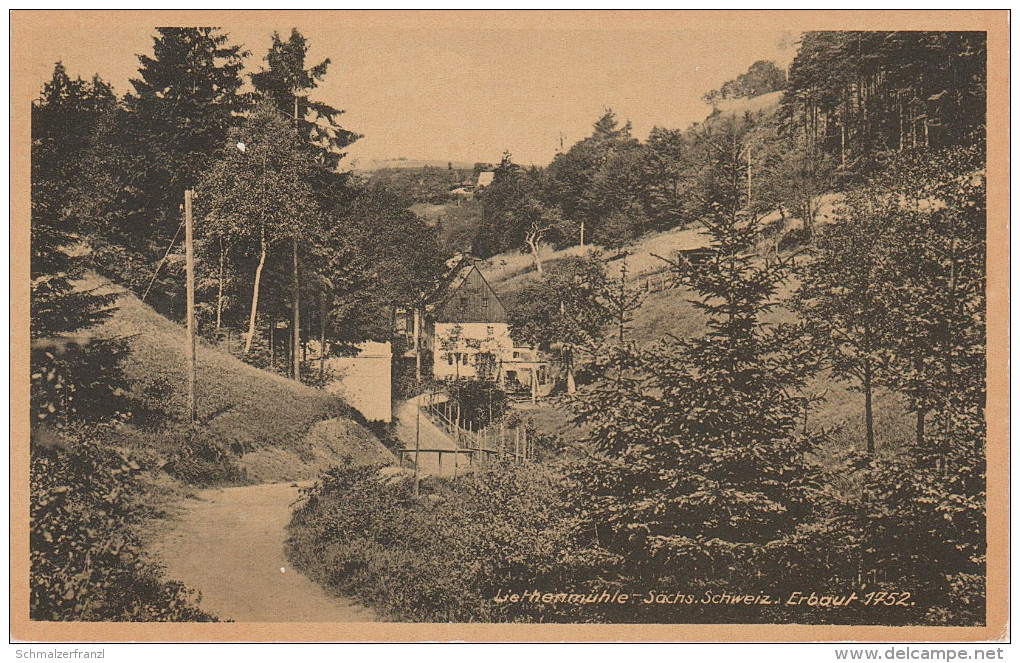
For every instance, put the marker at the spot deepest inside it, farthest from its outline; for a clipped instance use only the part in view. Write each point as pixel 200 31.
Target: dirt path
pixel 411 426
pixel 228 545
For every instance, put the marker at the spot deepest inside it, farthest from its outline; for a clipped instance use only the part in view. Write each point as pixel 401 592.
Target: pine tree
pixel 698 467
pixel 288 83
pixel 69 375
pixel 185 99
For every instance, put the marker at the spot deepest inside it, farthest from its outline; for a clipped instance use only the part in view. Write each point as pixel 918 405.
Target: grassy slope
pixel 508 272
pixel 842 410
pixel 281 430
pixel 671 312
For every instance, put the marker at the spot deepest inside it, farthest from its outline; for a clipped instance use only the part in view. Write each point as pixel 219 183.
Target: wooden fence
pixel 506 442
pixel 657 281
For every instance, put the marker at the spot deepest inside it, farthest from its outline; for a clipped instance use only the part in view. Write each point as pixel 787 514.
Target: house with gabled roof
pixel 467 328
pixel 466 333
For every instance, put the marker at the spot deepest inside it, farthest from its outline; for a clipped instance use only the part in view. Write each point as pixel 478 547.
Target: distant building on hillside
pixel 485 179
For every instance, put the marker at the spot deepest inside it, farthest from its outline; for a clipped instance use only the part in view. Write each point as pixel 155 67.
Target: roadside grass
pixel 269 427
pixel 439 554
pixel 103 491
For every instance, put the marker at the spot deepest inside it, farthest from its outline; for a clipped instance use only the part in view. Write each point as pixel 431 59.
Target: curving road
pixel 229 545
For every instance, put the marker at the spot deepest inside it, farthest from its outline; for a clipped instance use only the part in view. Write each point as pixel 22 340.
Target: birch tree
pixel 253 194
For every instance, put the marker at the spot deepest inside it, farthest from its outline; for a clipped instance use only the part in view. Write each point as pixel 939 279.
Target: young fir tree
pixel 698 468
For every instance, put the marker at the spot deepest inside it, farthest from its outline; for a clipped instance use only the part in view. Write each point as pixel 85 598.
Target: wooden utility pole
pixel 296 296
pixel 417 443
pixel 189 256
pixel 296 292
pixel 582 234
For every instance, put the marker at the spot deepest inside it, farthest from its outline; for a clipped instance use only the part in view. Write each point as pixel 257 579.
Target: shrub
pixel 77 381
pixel 442 555
pixel 481 402
pixel 86 562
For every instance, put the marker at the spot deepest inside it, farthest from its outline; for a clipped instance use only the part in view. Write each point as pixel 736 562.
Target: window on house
pixel 490 330
pixel 449 358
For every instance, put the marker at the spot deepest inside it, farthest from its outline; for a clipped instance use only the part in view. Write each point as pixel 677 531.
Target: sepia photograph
pixel 334 324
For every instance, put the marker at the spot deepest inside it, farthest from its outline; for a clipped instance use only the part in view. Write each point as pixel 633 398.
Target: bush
pixel 481 402
pixel 442 555
pixel 86 562
pixel 198 459
pixel 77 381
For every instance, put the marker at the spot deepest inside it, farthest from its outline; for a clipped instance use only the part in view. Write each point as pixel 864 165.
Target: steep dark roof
pixel 468 297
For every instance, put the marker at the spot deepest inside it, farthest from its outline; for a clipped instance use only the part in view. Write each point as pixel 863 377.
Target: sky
pixel 466 94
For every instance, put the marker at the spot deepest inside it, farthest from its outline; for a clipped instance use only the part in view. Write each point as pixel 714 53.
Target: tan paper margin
pixel 24 88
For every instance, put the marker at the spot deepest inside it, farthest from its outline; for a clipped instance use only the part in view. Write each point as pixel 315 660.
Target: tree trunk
pixel 869 421
pixel 219 292
pixel 533 244
pixel 842 142
pixel 416 321
pixel 571 384
pixel 296 292
pixel 296 303
pixel 255 295
pixel 902 141
pixel 322 337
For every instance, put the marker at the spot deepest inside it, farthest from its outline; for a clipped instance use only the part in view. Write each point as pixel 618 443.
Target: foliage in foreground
pixel 443 555
pixel 87 565
pixel 453 552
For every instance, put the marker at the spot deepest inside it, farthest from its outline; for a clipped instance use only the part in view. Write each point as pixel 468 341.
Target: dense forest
pixel 694 469
pixel 288 248
pixel 846 224
pixel 853 99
